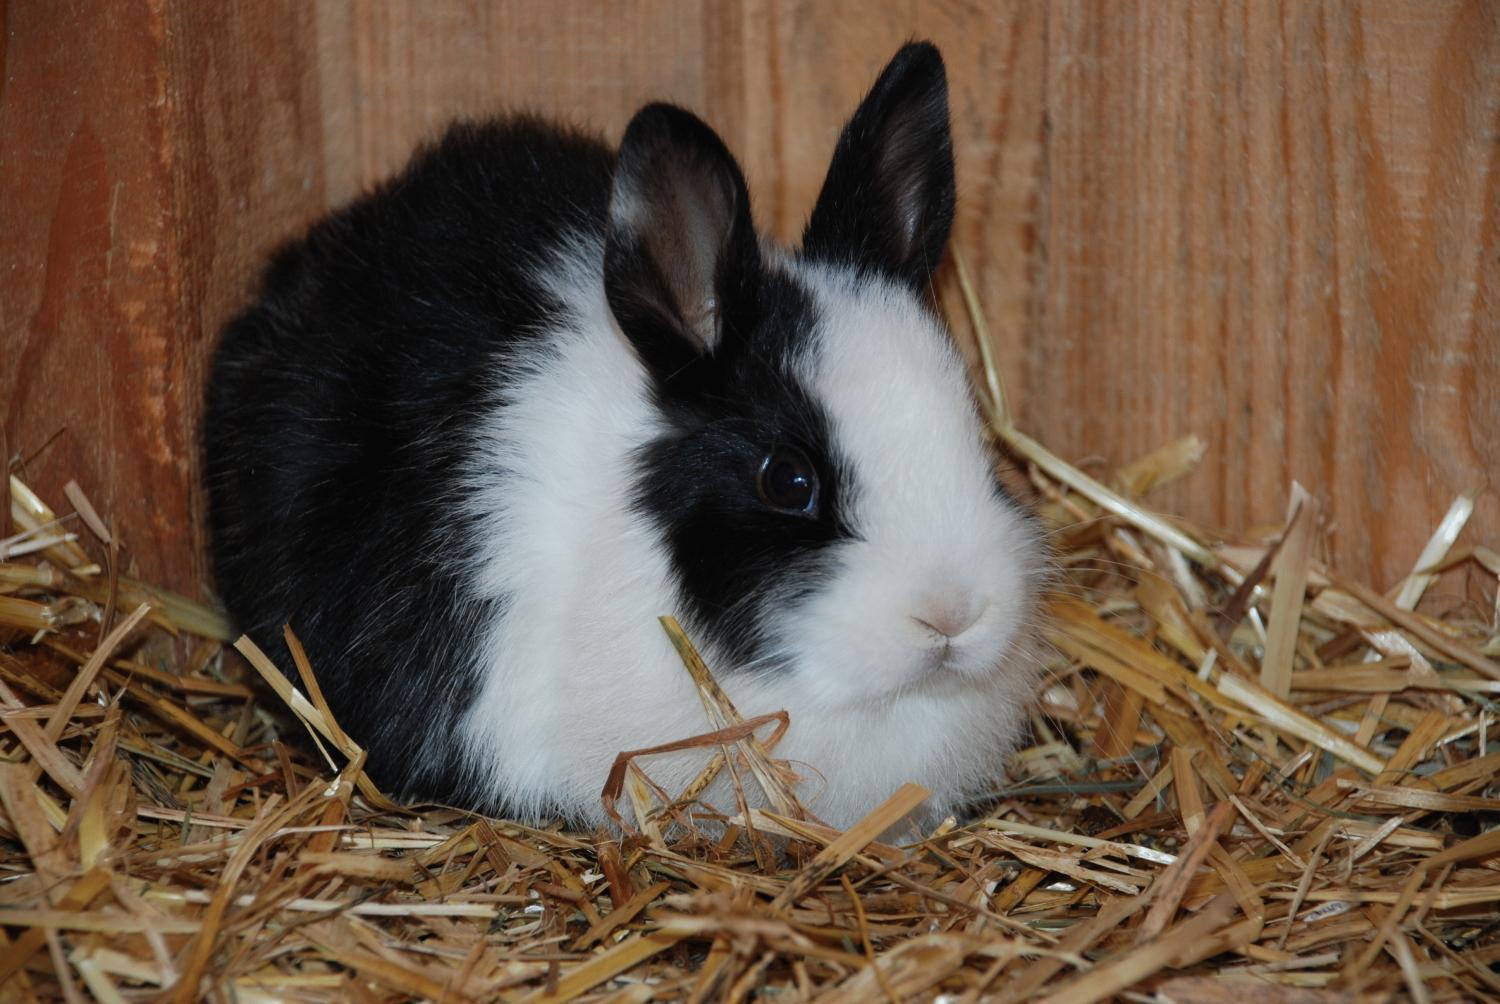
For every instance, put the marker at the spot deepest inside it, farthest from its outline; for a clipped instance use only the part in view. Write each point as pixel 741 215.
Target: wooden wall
pixel 1275 224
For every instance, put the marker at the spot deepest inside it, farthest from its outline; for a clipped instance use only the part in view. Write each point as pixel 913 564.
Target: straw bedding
pixel 1247 775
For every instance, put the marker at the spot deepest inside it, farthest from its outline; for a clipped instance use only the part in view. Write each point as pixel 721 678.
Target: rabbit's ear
pixel 681 259
pixel 887 204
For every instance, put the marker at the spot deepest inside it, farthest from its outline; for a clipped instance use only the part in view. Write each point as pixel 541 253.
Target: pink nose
pixel 949 622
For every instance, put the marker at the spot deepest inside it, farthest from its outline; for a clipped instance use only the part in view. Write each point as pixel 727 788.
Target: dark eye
pixel 788 482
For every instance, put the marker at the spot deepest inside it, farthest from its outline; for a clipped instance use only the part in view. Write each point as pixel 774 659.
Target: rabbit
pixel 483 426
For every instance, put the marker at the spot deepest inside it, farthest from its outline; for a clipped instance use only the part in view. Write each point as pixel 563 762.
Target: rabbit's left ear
pixel 681 258
pixel 887 204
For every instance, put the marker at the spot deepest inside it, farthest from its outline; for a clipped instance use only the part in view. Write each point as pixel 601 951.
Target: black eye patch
pixel 748 517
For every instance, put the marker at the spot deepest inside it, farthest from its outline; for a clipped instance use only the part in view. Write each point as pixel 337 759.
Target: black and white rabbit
pixel 484 425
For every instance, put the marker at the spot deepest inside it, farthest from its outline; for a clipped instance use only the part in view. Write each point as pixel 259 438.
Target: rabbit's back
pixel 340 412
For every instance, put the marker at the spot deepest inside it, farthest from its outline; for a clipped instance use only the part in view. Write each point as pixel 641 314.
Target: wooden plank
pixel 86 244
pixel 152 154
pixel 1273 224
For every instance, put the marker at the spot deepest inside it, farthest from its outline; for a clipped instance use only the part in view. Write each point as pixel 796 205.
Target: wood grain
pixel 1275 224
pixel 1283 239
pixel 152 154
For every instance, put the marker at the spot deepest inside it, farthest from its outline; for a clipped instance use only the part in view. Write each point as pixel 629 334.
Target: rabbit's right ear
pixel 681 258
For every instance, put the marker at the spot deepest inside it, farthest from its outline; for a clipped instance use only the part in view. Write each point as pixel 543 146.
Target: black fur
pixel 338 418
pixel 887 203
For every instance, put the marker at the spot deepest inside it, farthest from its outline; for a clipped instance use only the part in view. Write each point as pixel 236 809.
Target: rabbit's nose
pixel 951 620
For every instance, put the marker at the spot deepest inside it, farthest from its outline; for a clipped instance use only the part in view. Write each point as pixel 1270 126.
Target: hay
pixel 1248 775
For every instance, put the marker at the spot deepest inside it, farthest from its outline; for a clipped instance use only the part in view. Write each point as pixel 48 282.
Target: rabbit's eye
pixel 788 482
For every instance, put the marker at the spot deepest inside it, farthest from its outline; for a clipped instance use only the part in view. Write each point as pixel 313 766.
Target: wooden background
pixel 1273 224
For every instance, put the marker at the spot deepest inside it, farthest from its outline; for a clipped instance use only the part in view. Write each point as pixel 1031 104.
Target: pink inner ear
pixel 903 163
pixel 681 254
pixel 685 218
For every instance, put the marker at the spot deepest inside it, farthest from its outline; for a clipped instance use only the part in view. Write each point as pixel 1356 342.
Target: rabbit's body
pixel 488 424
pixel 340 429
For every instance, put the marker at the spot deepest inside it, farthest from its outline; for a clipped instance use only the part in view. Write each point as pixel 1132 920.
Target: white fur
pixel 578 669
